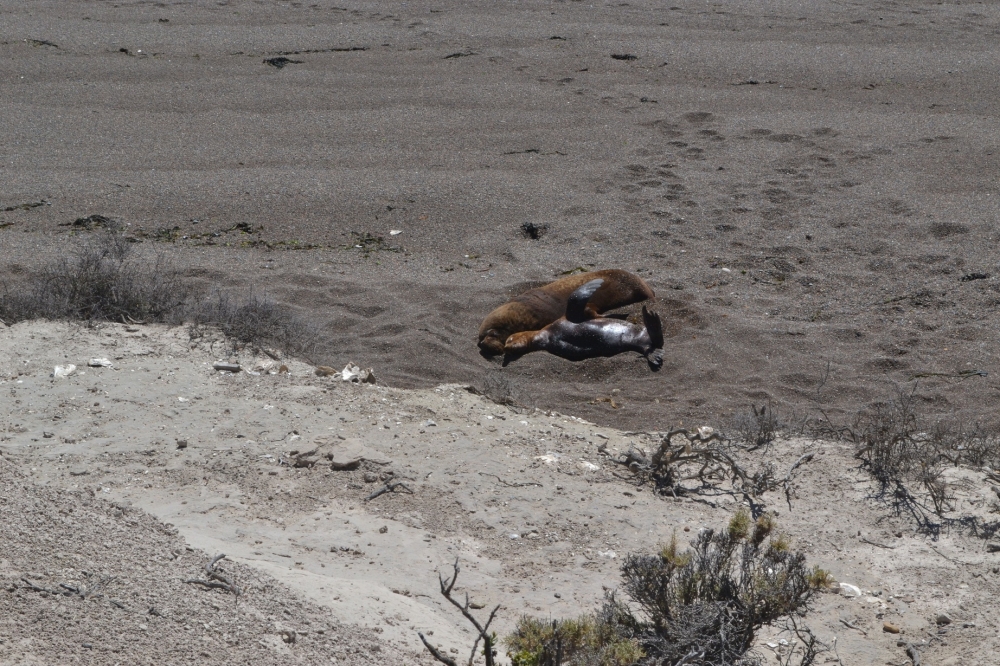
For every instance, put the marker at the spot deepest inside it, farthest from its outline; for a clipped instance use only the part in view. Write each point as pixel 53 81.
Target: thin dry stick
pixel 851 626
pixel 878 545
pixel 912 653
pixel 788 477
pixel 511 485
pixel 34 587
pixel 389 487
pixel 215 578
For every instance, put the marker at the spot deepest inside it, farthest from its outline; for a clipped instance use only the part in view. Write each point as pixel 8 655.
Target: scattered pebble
pixel 99 363
pixel 942 620
pixel 890 628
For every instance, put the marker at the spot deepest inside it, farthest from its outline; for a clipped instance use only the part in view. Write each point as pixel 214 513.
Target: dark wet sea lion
pixel 581 334
pixel 537 308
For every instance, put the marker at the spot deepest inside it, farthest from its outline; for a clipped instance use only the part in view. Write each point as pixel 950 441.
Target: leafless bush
pixel 757 428
pixel 903 449
pixel 253 320
pixel 483 633
pixel 700 607
pixel 105 280
pixel 705 456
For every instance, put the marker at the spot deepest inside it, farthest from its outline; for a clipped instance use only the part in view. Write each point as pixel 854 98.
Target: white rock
pixel 849 590
pixel 395 232
pixel 610 554
pixel 589 466
pixel 99 363
pixel 549 458
pixel 63 370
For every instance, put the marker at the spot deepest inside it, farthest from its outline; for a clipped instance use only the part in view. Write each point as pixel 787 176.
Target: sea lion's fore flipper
pixel 576 307
pixel 655 329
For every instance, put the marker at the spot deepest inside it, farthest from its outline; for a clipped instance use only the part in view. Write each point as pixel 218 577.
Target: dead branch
pixel 489 651
pixel 913 654
pixel 389 487
pixel 852 626
pixel 444 659
pixel 786 482
pixel 877 545
pixel 36 588
pixel 215 578
pixel 703 457
pixel 511 485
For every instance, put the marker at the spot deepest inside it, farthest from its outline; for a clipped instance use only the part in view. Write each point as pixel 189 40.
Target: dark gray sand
pixel 811 188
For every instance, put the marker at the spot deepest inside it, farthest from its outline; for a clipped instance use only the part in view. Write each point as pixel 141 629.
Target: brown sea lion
pixel 581 334
pixel 537 308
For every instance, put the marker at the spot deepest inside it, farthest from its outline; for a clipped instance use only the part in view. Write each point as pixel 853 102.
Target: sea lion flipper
pixel 576 307
pixel 655 329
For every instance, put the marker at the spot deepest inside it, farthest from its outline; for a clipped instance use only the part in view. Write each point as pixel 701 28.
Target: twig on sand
pixel 389 487
pixel 913 654
pixel 950 559
pixel 444 659
pixel 878 545
pixel 786 482
pixel 853 626
pixel 36 588
pixel 511 485
pixel 215 578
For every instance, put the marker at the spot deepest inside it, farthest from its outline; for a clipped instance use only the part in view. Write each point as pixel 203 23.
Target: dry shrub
pixel 253 320
pixel 107 279
pixel 701 607
pixel 104 280
pixel 896 445
pixel 903 449
pixel 756 428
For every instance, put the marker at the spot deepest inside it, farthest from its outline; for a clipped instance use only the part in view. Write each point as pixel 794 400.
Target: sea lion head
pixel 491 343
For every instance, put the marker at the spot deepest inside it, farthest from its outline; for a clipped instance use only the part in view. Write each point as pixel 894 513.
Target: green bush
pixel 701 606
pixel 587 640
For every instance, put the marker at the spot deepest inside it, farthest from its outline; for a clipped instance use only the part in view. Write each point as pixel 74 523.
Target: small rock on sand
pixel 890 628
pixel 849 590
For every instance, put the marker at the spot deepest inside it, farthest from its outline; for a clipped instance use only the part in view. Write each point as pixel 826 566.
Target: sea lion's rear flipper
pixel 655 329
pixel 576 307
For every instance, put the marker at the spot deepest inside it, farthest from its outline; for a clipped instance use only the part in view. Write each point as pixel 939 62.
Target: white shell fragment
pixel 353 373
pixel 99 363
pixel 63 370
